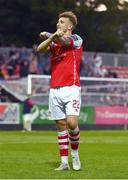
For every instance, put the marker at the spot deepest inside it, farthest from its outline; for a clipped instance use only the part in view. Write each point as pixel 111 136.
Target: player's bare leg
pixel 63 144
pixel 74 136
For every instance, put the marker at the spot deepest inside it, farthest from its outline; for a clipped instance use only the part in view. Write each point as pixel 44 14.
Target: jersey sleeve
pixel 76 41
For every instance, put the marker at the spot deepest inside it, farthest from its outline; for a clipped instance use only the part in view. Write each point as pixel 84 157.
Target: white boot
pixel 76 161
pixel 63 167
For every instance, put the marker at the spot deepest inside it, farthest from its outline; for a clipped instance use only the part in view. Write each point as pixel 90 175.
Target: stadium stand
pixel 121 71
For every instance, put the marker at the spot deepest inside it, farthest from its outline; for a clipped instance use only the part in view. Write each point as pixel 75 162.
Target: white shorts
pixel 27 117
pixel 64 101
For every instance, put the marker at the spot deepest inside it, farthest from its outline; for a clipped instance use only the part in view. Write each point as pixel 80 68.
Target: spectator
pixel 4 72
pixel 97 65
pixel 13 54
pixel 112 74
pixel 11 65
pixel 16 71
pixel 33 67
pixel 24 54
pixel 24 70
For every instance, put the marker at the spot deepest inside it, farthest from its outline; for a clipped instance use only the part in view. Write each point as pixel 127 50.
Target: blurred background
pixel 103 26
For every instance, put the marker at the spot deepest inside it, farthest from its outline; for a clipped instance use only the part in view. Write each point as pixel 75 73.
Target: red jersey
pixel 65 62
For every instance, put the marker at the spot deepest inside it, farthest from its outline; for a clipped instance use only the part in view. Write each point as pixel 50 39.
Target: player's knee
pixel 72 125
pixel 72 122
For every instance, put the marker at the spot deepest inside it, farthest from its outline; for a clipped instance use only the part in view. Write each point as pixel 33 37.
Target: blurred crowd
pixel 94 67
pixel 17 63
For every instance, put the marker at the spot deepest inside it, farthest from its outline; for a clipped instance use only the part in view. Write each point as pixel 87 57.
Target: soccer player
pixel 27 117
pixel 65 91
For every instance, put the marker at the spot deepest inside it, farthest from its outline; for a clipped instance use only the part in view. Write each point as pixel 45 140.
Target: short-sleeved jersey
pixel 65 62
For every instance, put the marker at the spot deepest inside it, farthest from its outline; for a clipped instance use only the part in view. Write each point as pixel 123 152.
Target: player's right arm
pixel 44 46
pixel 48 39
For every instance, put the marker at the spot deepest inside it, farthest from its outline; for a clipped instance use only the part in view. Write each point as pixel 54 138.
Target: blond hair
pixel 72 17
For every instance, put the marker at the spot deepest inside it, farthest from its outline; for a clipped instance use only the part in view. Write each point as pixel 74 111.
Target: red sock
pixel 63 143
pixel 74 137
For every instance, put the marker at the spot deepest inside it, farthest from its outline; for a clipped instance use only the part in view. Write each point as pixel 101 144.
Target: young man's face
pixel 64 24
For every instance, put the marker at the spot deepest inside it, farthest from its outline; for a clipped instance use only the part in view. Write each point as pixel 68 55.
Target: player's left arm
pixel 74 41
pixel 65 41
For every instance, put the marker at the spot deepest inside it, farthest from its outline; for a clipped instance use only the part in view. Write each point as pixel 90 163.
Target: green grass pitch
pixel 34 155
